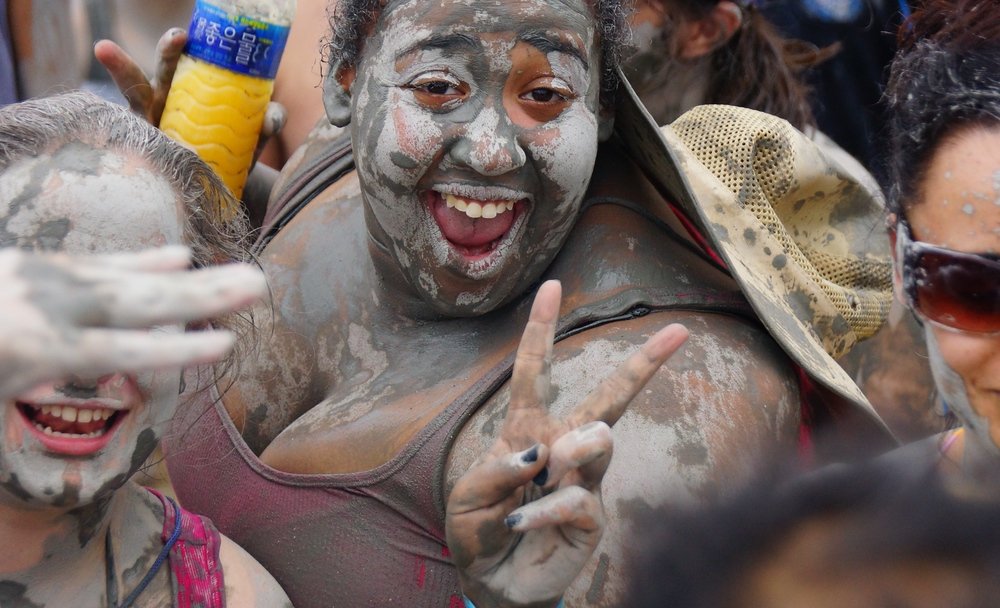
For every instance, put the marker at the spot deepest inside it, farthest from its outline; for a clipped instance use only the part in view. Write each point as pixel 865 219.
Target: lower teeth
pixel 49 431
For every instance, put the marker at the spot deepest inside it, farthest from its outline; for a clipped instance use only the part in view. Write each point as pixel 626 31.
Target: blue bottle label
pixel 235 42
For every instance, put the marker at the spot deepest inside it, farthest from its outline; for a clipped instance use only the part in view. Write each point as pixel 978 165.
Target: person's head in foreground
pixel 82 177
pixel 856 536
pixel 944 198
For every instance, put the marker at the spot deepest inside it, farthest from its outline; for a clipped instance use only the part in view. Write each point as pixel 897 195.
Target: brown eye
pixel 543 95
pixel 545 98
pixel 437 89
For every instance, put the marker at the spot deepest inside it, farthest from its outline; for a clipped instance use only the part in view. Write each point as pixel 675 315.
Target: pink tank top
pixel 194 557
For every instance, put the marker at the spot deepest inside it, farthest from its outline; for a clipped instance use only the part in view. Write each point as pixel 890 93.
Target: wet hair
pixel 872 519
pixel 351 22
pixel 945 78
pixel 757 67
pixel 42 126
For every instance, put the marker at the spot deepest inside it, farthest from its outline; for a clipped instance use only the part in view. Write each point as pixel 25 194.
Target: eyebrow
pixel 452 41
pixel 547 43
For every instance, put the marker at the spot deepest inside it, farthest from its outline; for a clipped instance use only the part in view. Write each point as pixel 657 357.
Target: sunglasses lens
pixel 958 290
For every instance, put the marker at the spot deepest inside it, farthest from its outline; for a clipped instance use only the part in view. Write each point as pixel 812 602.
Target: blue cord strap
pixel 469 604
pixel 162 557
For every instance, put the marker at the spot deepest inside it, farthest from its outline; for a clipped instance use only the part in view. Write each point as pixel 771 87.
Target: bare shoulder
pixel 247 582
pixel 703 425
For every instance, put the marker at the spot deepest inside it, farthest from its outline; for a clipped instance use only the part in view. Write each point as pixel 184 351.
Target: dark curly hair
pixel 352 20
pixel 945 77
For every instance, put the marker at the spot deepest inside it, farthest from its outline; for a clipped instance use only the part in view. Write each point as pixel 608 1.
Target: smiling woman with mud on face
pixel 87 405
pixel 944 158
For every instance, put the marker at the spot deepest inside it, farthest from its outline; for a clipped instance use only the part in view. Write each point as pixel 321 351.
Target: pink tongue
pixel 467 232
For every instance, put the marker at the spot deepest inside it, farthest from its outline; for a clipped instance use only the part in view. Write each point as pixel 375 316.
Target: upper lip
pixel 114 392
pixel 60 399
pixel 482 193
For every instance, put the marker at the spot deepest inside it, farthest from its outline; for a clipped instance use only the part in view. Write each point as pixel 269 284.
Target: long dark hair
pixel 945 77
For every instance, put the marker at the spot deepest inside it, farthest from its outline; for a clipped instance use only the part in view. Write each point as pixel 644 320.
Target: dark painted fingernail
pixel 513 520
pixel 531 455
pixel 542 477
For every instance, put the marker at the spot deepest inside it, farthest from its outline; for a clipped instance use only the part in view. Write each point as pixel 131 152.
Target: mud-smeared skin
pixel 109 203
pixel 381 376
pixel 405 145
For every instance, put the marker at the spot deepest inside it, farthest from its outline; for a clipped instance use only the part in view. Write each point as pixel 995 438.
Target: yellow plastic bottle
pixel 224 81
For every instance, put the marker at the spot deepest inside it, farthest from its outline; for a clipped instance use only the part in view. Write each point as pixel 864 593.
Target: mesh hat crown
pixel 802 236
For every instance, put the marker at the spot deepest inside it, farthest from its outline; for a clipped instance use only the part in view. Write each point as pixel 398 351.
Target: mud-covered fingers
pixel 168 53
pixel 162 259
pixel 572 507
pixel 127 76
pixel 531 382
pixel 275 117
pixel 496 478
pixel 608 401
pixel 586 449
pixel 140 299
pixel 100 351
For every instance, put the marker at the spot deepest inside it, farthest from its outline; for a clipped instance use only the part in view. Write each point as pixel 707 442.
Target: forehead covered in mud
pixel 85 199
pixel 489 16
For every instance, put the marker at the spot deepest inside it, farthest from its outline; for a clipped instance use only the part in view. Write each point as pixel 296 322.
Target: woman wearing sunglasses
pixel 944 163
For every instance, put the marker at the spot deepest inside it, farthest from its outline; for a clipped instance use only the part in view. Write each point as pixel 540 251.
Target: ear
pixel 337 94
pixel 701 37
pixel 897 274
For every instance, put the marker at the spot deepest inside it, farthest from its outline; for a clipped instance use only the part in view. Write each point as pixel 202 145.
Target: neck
pixel 58 550
pixel 676 87
pixel 391 289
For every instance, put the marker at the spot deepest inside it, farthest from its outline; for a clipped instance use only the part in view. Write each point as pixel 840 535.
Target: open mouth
pixel 475 228
pixel 69 429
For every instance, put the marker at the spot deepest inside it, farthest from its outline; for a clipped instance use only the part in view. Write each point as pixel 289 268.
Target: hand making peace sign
pixel 526 517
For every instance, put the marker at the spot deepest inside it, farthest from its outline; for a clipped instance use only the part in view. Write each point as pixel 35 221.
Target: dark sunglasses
pixel 960 291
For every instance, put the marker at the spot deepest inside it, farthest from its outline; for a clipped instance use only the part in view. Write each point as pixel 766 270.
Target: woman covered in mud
pixel 493 147
pixel 944 117
pixel 88 386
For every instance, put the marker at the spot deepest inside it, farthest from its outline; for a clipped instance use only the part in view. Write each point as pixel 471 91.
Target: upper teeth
pixel 72 414
pixel 478 209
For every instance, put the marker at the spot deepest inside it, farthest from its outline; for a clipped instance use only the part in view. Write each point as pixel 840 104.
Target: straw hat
pixel 796 230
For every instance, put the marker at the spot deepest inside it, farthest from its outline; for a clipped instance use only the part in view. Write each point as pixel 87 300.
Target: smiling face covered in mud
pixel 68 443
pixel 475 129
pixel 959 208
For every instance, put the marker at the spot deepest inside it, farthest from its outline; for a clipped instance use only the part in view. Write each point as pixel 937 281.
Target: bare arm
pixel 248 584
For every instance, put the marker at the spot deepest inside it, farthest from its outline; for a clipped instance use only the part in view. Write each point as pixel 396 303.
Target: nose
pixel 489 145
pixel 82 387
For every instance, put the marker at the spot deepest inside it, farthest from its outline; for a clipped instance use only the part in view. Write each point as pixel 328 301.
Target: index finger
pixel 608 401
pixel 168 53
pixel 127 76
pixel 531 381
